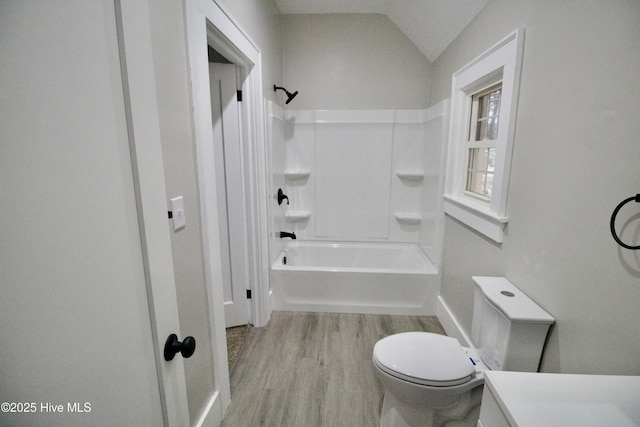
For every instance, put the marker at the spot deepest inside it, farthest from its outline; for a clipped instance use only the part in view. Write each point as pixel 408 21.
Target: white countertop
pixel 537 399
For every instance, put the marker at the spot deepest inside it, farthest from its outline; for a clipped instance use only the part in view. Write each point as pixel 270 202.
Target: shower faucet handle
pixel 282 196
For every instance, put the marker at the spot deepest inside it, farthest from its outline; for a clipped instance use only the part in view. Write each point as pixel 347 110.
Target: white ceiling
pixel 430 24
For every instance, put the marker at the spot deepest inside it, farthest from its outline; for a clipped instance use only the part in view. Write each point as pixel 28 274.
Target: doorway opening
pixel 209 25
pixel 225 90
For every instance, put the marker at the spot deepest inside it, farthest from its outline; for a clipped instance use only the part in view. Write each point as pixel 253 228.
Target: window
pixel 481 147
pixel 483 105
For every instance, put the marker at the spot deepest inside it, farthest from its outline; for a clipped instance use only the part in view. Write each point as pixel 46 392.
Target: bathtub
pixel 375 278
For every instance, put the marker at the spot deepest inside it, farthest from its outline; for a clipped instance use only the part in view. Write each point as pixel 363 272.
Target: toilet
pixel 432 380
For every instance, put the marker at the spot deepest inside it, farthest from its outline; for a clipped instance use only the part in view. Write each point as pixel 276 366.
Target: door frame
pixel 207 23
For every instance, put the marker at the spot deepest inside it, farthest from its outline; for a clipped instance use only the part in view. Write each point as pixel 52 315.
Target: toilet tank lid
pixel 511 301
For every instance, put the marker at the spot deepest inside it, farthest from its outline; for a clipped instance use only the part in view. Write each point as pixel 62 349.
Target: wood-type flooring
pixel 313 369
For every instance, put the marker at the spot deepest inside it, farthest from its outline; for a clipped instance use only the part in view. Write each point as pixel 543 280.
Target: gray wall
pixel 174 109
pixel 74 314
pixel 352 61
pixel 260 20
pixel 576 156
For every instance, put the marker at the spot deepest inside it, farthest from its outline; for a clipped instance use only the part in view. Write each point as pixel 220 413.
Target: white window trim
pixel 501 62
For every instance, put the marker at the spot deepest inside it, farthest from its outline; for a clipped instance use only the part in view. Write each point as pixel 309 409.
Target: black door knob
pixel 173 346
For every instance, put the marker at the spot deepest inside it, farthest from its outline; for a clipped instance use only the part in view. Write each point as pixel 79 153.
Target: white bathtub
pixel 378 278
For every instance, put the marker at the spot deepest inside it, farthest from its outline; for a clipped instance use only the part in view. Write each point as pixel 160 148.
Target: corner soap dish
pixel 295 174
pixel 408 217
pixel 410 175
pixel 297 215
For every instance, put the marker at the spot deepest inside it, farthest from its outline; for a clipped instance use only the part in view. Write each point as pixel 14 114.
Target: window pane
pixel 480 170
pixel 488 114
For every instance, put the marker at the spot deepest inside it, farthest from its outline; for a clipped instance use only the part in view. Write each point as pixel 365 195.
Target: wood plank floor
pixel 313 369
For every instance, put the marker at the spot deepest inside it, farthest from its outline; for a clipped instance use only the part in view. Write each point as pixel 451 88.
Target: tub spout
pixel 284 234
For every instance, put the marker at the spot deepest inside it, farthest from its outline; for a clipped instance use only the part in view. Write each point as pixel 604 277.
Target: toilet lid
pixel 424 358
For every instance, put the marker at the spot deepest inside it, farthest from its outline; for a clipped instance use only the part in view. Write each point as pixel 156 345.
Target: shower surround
pixel 368 176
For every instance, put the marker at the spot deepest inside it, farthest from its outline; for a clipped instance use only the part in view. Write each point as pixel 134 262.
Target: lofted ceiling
pixel 430 24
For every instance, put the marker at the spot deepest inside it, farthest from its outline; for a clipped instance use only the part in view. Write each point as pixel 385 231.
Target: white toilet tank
pixel 508 328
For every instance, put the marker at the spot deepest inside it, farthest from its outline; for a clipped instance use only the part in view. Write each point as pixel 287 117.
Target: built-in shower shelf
pixel 408 217
pixel 410 175
pixel 295 174
pixel 297 215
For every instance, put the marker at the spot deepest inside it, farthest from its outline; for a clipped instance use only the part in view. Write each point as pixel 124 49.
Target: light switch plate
pixel 177 209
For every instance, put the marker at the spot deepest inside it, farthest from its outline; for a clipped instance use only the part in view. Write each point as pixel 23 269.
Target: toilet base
pixel 464 412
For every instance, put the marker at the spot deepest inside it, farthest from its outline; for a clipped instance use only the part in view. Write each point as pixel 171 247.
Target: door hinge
pixel 248 293
pixel 239 95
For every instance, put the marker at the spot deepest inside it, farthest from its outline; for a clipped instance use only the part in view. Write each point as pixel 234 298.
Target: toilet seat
pixel 424 358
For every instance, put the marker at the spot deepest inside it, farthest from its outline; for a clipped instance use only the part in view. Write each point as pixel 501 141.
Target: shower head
pixel 290 95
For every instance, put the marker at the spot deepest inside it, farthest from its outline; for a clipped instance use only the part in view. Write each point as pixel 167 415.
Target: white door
pixel 230 191
pixel 81 244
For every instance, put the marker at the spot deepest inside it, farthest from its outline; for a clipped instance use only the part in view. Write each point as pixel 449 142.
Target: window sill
pixel 476 216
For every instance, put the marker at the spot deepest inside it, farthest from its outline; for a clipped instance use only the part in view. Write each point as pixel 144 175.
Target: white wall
pixel 575 157
pixel 352 61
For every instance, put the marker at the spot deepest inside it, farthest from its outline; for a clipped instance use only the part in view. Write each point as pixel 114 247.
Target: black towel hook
pixel 635 198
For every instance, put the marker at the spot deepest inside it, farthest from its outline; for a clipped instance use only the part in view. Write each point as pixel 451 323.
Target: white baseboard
pixel 212 414
pixel 451 325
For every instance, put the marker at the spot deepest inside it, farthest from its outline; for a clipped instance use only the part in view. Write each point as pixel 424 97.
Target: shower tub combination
pixel 346 277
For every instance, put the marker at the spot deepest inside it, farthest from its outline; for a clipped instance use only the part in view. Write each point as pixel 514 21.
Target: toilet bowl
pixel 443 384
pixel 432 380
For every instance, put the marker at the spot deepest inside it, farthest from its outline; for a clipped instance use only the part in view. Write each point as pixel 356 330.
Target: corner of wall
pixel 451 326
